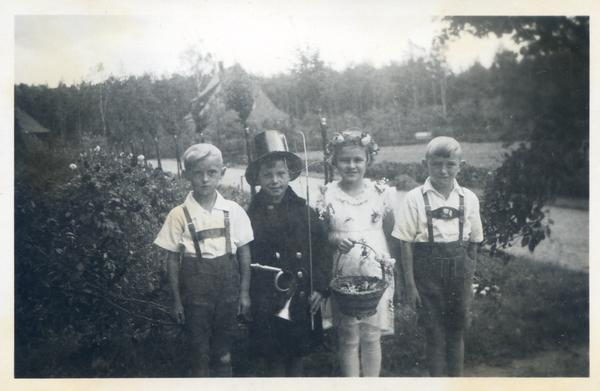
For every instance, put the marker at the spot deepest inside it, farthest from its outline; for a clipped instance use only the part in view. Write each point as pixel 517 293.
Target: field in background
pixel 486 155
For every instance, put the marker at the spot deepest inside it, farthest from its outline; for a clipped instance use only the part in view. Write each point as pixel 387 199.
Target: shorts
pixel 444 277
pixel 210 291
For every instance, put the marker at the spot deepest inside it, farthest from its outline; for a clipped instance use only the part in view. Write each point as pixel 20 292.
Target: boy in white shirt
pixel 210 287
pixel 440 228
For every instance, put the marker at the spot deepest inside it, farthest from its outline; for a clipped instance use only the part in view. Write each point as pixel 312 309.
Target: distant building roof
pixel 27 125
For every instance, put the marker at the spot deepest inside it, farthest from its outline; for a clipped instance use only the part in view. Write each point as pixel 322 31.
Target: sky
pixel 265 41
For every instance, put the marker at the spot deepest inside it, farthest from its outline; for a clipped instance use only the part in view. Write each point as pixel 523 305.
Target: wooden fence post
pixel 157 154
pixel 179 168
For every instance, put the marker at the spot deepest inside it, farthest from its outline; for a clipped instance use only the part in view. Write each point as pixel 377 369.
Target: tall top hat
pixel 267 145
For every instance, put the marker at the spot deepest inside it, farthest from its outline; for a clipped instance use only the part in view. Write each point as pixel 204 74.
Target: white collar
pixel 427 186
pixel 194 207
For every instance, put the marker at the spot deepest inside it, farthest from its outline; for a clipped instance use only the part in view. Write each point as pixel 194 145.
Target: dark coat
pixel 281 240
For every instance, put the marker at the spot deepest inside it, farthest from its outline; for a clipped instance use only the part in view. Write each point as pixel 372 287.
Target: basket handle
pixel 374 252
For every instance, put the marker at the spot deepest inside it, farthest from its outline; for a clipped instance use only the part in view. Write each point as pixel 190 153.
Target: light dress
pixel 359 218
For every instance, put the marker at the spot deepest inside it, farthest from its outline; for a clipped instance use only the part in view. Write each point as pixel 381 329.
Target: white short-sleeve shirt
pixel 175 231
pixel 411 222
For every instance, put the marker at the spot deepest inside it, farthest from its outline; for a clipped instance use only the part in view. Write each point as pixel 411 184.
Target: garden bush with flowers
pixel 87 276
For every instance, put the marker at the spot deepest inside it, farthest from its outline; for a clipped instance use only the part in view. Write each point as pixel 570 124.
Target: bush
pixel 89 284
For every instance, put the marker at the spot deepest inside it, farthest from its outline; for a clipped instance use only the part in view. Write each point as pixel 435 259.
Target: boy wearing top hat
pixel 286 313
pixel 210 287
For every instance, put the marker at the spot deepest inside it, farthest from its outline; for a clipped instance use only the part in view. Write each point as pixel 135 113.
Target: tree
pixel 238 95
pixel 531 176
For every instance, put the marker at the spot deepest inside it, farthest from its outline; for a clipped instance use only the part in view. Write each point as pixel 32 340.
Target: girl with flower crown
pixel 357 211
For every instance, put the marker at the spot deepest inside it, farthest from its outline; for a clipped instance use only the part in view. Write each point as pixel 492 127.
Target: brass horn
pixel 272 269
pixel 284 313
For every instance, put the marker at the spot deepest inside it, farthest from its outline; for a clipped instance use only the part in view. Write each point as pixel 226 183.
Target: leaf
pixel 525 241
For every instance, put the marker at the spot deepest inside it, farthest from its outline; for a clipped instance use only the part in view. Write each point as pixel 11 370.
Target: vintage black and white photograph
pixel 308 190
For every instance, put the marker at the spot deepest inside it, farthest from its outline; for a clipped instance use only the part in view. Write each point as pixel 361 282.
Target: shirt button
pixel 298 255
pixel 301 294
pixel 277 256
pixel 300 275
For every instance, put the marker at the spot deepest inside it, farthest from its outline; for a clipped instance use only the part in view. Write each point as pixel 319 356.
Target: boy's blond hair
pixel 444 147
pixel 198 152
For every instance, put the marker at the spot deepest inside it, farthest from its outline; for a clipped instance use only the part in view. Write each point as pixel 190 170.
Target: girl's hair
pixel 352 137
pixel 198 152
pixel 443 147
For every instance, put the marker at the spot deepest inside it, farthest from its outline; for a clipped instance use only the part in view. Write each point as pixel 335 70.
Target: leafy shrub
pixel 87 277
pixel 514 198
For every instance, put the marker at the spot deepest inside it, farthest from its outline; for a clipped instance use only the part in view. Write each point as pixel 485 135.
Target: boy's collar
pixel 427 186
pixel 193 205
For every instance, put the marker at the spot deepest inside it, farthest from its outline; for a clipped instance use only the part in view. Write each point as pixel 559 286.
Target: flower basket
pixel 358 296
pixel 356 302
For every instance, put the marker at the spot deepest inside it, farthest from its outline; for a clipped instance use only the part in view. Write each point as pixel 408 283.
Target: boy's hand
pixel 315 301
pixel 177 312
pixel 244 305
pixel 345 245
pixel 413 298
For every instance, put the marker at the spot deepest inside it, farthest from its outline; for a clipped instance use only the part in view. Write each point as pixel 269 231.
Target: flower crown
pixel 352 138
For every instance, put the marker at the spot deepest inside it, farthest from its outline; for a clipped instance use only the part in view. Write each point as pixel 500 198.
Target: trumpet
pixel 277 276
pixel 284 313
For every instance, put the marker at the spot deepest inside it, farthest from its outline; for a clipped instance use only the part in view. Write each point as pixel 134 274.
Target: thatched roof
pixel 27 125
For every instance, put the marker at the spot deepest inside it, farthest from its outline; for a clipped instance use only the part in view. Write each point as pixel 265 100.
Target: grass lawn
pixel 536 324
pixel 487 155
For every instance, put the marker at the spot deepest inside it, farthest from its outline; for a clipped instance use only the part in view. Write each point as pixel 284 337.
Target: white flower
pixel 122 154
pixel 73 166
pixel 97 149
pixel 130 155
pixel 339 138
pixel 141 158
pixel 365 140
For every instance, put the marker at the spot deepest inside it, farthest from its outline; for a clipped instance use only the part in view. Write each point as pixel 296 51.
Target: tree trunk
pixel 443 95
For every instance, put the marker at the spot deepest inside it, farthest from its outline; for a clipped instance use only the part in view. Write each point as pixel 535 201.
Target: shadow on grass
pixel 539 307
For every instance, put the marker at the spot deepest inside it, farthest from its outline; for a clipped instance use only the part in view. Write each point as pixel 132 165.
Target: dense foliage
pixel 556 161
pixel 86 271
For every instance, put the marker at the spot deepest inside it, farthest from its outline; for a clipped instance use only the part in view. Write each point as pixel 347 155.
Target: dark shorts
pixel 210 292
pixel 444 278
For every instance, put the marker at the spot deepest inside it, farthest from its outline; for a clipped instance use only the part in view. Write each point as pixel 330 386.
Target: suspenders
pixel 445 213
pixel 208 233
